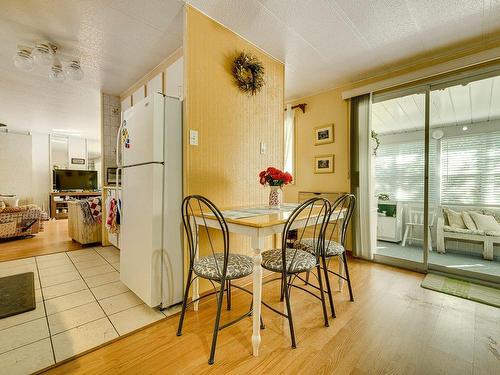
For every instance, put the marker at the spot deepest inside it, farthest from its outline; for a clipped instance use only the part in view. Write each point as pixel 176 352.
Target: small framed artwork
pixel 324 164
pixel 323 134
pixel 79 161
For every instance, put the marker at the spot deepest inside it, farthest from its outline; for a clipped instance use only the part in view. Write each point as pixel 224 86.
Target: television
pixel 74 179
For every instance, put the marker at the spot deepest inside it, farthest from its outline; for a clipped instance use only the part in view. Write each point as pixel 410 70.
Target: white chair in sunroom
pixel 416 220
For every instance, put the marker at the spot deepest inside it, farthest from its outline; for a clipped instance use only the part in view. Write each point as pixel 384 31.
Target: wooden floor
pixel 394 326
pixel 53 239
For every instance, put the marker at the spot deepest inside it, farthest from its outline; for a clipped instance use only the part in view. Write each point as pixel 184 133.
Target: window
pixel 289 141
pixel 399 170
pixel 470 169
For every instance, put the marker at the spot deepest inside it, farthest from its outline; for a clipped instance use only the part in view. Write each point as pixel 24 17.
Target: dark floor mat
pixel 17 294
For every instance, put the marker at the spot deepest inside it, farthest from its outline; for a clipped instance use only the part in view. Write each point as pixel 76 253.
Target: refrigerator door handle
pixel 119 144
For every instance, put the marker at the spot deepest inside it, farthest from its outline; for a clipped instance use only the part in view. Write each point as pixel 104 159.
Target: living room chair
pixel 416 220
pixel 220 266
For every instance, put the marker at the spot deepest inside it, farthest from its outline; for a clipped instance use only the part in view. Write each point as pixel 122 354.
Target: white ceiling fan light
pixel 57 74
pixel 73 70
pixel 23 59
pixel 44 52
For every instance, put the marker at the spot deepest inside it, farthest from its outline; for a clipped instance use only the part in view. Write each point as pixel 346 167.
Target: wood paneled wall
pixel 224 166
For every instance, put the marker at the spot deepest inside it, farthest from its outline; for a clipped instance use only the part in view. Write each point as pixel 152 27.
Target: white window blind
pixel 399 171
pixel 470 169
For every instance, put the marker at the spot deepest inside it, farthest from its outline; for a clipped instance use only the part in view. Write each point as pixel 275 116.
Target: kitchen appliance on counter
pixel 149 160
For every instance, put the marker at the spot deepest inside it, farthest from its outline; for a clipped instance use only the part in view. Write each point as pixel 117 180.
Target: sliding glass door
pixel 435 157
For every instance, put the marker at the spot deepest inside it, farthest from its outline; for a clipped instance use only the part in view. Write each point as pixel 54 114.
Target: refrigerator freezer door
pixel 143 131
pixel 141 231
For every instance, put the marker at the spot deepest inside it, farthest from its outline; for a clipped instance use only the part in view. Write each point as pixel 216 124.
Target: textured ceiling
pixel 327 43
pixel 475 102
pixel 118 41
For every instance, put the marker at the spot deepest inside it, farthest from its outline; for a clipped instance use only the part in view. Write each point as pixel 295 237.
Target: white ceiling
pixel 118 41
pixel 327 43
pixel 475 102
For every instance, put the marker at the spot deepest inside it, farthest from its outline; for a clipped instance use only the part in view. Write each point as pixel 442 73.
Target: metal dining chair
pixel 310 217
pixel 218 267
pixel 334 243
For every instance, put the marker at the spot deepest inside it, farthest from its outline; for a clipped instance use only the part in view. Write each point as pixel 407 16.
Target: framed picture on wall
pixel 323 134
pixel 324 164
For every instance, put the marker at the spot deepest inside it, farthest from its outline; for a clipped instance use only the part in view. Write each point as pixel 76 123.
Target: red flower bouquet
pixel 274 177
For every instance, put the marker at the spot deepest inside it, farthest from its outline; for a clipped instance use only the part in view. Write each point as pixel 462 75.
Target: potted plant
pixel 275 178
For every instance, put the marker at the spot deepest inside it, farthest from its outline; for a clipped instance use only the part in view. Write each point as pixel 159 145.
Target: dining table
pixel 258 222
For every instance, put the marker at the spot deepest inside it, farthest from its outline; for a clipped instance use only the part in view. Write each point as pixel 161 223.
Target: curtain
pixel 361 177
pixel 289 139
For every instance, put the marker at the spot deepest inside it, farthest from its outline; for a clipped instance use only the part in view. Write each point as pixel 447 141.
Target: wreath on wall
pixel 248 72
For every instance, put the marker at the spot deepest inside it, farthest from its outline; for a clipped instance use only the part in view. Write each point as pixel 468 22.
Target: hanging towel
pixel 111 220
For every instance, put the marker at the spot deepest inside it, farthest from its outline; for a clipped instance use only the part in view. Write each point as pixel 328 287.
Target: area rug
pixel 17 294
pixel 464 289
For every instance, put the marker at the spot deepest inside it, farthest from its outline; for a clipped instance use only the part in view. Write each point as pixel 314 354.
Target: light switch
pixel 193 137
pixel 263 147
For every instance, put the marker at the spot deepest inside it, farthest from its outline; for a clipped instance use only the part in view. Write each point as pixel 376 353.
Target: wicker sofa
pixel 20 221
pixel 488 238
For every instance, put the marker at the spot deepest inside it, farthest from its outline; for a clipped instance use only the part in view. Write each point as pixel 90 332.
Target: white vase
pixel 275 197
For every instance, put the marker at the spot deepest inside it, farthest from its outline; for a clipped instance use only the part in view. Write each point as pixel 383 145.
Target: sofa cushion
pixel 454 219
pixel 10 200
pixel 485 222
pixel 493 233
pixel 2 205
pixel 448 228
pixel 494 213
pixel 469 223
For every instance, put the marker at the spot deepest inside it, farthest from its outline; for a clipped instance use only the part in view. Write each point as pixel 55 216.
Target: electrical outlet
pixel 193 137
pixel 263 147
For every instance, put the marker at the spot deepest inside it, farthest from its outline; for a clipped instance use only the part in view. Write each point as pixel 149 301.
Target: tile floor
pixel 80 304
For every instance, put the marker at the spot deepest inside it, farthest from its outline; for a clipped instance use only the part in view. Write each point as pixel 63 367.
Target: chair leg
pixel 322 294
pixel 289 313
pixel 307 277
pixel 282 289
pixel 344 256
pixel 405 237
pixel 184 303
pixel 228 300
pixel 220 297
pixel 328 288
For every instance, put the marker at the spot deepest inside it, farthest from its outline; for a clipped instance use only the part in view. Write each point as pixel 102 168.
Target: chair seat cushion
pixel 494 233
pixel 307 244
pixel 296 260
pixel 238 266
pixel 448 228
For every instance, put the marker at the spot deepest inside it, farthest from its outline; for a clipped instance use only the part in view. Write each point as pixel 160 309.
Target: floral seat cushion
pixel 296 260
pixel 309 244
pixel 238 266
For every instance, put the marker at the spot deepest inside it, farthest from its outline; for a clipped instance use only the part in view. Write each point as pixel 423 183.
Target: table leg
pixel 257 245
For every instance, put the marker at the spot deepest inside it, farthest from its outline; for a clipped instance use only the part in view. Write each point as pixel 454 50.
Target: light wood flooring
pixel 54 239
pixel 393 327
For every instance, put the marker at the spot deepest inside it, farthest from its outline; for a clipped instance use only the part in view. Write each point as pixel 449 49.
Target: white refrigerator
pixel 149 157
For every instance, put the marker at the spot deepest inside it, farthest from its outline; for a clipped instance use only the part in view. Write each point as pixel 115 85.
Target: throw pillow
pixel 10 201
pixel 494 213
pixel 469 223
pixel 454 219
pixel 485 222
pixel 2 205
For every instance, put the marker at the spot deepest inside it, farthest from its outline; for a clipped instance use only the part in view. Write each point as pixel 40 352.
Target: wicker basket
pixel 7 229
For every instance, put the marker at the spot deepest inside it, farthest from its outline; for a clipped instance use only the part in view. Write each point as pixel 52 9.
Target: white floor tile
pixel 116 266
pixel 17 263
pixel 94 271
pixel 22 334
pixel 53 260
pixel 68 301
pixel 62 289
pixel 38 294
pixel 59 278
pixel 109 290
pixel 113 258
pixel 106 278
pixel 57 270
pixel 75 317
pixel 82 338
pixel 107 251
pixel 84 257
pixel 27 359
pixel 14 270
pixel 91 263
pixel 120 302
pixel 27 316
pixel 76 253
pixel 136 317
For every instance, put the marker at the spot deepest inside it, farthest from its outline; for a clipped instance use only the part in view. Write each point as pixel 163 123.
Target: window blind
pixel 399 171
pixel 470 169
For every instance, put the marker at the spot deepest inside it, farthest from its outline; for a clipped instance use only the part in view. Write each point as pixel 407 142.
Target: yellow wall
pixel 324 108
pixel 224 166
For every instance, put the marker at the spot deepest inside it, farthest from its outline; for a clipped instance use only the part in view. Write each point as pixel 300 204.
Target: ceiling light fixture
pixel 74 71
pixel 56 73
pixel 23 59
pixel 44 52
pixel 47 54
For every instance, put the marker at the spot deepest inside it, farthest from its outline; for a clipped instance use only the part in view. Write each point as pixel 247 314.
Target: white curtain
pixel 289 139
pixel 365 236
